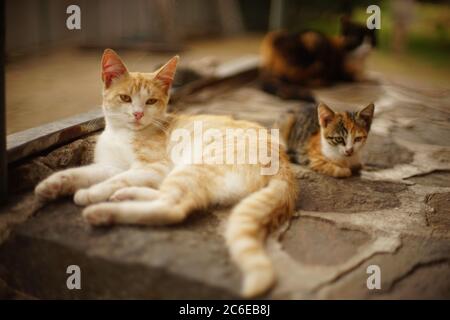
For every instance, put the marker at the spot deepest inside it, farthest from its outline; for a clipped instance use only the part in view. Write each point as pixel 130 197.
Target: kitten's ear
pixel 166 73
pixel 325 114
pixel 367 114
pixel 112 67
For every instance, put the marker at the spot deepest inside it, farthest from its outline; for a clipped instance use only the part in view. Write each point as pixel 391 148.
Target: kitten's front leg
pixel 70 180
pixel 150 176
pixel 356 169
pixel 341 172
pixel 330 169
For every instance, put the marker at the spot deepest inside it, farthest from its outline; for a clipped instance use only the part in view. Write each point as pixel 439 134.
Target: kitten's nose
pixel 349 152
pixel 138 115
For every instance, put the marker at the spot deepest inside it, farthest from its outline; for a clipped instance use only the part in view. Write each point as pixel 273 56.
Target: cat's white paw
pixel 98 215
pixel 56 185
pixel 135 193
pixel 81 197
pixel 84 197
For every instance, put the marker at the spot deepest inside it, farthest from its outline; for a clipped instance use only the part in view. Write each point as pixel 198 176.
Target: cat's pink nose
pixel 349 152
pixel 138 115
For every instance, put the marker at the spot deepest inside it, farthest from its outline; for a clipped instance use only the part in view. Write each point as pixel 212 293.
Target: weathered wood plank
pixel 28 142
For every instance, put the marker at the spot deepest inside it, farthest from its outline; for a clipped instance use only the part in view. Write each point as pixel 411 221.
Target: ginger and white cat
pixel 133 179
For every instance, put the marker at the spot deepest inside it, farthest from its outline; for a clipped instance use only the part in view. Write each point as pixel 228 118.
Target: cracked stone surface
pixel 333 244
pixel 27 175
pixel 439 215
pixel 395 215
pixel 322 193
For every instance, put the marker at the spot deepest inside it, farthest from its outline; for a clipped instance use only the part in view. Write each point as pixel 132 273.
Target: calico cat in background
pixel 134 179
pixel 293 63
pixel 330 142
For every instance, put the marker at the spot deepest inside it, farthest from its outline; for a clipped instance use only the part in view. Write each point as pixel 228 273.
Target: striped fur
pixel 135 181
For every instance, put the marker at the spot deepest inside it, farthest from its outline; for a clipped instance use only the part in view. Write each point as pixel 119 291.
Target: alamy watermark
pixel 374 280
pixel 230 146
pixel 74 280
pixel 73 22
pixel 374 21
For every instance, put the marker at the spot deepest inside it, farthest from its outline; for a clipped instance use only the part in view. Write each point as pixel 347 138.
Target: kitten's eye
pixel 125 98
pixel 358 139
pixel 151 101
pixel 339 140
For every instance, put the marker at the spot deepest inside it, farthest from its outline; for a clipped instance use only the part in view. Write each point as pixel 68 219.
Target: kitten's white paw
pixel 135 193
pixel 56 185
pixel 342 172
pixel 98 215
pixel 258 282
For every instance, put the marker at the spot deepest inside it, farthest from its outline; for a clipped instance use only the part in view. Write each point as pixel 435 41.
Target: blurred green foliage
pixel 428 35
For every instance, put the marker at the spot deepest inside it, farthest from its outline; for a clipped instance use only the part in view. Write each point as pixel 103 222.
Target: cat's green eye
pixel 151 101
pixel 125 98
pixel 358 139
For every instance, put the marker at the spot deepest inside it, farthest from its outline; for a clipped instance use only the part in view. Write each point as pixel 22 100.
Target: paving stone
pixel 381 152
pixel 426 132
pixel 322 193
pixel 426 281
pixel 332 244
pixel 185 261
pixel 439 218
pixel 397 218
pixel 439 179
pixel 418 270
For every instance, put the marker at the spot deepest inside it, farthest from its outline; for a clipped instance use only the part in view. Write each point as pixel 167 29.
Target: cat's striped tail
pixel 247 228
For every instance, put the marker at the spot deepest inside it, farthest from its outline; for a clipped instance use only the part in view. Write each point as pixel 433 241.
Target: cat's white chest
pixel 115 148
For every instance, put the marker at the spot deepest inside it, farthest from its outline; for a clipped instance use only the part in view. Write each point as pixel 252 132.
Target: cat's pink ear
pixel 326 115
pixel 112 67
pixel 166 73
pixel 367 114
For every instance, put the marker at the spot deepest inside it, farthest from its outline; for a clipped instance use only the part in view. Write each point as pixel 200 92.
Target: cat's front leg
pixel 150 176
pixel 179 194
pixel 135 193
pixel 68 181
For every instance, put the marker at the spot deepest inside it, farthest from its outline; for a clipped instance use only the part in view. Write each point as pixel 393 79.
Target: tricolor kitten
pixel 329 141
pixel 134 181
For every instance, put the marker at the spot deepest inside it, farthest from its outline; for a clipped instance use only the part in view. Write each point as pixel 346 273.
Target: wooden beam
pixel 34 140
pixel 3 161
